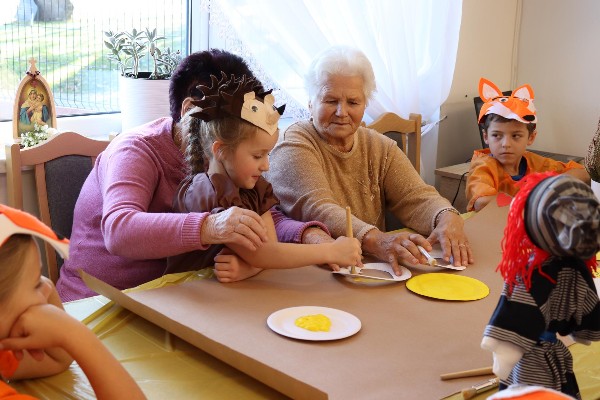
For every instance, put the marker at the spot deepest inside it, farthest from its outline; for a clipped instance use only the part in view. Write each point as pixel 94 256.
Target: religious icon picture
pixel 34 103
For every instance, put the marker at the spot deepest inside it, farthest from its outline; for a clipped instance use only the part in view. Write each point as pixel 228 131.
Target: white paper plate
pixel 362 278
pixel 343 324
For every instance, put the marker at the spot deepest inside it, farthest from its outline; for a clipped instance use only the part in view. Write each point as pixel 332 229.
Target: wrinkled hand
pixel 39 327
pixel 450 233
pixel 231 268
pixel 235 225
pixel 396 248
pixel 345 252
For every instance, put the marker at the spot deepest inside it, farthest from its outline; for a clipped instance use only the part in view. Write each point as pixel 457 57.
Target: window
pixel 66 37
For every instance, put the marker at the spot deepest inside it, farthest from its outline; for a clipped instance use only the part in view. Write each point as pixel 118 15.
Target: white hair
pixel 339 60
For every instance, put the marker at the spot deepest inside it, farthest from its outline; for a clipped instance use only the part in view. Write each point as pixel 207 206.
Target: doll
pixel 548 258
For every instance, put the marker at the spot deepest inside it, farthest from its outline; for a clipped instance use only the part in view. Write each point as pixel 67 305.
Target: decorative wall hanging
pixel 34 104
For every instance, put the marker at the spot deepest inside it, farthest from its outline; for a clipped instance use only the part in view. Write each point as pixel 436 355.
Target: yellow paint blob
pixel 315 323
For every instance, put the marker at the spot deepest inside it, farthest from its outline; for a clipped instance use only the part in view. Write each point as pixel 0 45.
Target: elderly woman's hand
pixel 450 233
pixel 234 226
pixel 396 248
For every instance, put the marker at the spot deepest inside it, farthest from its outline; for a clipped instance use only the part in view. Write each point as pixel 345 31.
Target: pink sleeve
pixel 137 218
pixel 289 230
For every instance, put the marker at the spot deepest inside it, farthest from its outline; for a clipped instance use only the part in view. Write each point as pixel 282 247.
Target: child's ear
pixel 186 105
pixel 485 137
pixel 531 138
pixel 217 150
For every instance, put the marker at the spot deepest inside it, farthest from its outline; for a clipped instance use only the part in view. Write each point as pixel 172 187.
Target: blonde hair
pixel 200 136
pixel 12 257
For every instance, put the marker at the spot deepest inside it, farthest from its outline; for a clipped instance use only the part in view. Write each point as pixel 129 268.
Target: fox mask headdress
pixel 518 106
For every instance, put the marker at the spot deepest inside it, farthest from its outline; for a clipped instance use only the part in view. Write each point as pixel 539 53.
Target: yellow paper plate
pixel 448 287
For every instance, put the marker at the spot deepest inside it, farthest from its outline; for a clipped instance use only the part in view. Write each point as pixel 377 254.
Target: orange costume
pixel 487 176
pixel 8 366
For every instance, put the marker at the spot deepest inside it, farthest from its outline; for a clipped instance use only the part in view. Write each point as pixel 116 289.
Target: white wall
pixel 485 50
pixel 559 55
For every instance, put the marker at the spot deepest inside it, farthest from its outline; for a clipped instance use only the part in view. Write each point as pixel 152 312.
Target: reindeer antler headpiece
pixel 238 98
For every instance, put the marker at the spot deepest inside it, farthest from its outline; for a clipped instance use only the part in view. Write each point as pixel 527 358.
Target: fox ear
pixel 523 92
pixel 488 90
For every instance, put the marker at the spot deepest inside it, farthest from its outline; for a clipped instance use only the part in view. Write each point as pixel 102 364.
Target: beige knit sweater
pixel 314 181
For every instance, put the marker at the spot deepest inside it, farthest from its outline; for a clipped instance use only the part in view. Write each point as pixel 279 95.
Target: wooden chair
pixel 406 132
pixel 61 166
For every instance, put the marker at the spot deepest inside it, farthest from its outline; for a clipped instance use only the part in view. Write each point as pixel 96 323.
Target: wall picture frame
pixel 34 103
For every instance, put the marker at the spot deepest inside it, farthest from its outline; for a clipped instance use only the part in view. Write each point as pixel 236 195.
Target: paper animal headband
pixel 14 222
pixel 237 98
pixel 518 106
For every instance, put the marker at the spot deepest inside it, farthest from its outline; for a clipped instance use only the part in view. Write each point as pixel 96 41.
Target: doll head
pixel 551 215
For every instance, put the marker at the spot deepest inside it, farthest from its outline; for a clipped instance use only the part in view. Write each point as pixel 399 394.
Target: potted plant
pixel 143 95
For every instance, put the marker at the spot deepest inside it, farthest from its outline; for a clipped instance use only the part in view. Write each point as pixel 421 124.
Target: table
pixel 453 180
pixel 171 368
pixel 176 369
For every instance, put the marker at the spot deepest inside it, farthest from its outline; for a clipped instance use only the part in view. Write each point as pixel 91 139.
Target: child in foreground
pixel 548 259
pixel 509 126
pixel 37 337
pixel 231 132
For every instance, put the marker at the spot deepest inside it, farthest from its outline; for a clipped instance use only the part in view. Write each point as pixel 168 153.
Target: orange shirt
pixel 487 176
pixel 8 364
pixel 8 393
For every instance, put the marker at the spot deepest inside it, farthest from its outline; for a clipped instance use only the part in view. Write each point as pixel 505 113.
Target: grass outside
pixel 71 57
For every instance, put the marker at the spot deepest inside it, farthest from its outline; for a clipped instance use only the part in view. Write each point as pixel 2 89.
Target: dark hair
pixel 196 69
pixel 489 118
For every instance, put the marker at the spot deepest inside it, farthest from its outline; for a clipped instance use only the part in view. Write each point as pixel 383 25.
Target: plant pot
pixel 142 100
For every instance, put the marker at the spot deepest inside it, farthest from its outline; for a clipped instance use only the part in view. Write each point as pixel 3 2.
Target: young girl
pixel 37 337
pixel 230 135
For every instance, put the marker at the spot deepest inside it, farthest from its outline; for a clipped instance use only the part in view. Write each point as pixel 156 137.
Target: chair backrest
pixel 61 166
pixel 406 132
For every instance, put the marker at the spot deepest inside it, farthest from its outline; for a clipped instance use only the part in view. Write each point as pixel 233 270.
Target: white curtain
pixel 412 45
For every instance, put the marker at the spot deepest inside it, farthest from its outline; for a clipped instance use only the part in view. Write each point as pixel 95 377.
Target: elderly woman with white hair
pixel 327 163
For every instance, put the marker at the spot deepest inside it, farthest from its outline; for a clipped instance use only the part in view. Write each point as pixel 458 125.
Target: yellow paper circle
pixel 448 287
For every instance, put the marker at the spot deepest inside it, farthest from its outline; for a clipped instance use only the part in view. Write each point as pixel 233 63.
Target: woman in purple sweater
pixel 124 226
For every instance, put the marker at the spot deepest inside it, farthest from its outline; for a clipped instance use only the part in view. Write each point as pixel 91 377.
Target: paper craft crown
pixel 518 106
pixel 238 98
pixel 13 222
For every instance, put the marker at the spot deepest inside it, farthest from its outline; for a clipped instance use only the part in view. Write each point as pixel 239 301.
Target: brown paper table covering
pixel 182 371
pixel 406 341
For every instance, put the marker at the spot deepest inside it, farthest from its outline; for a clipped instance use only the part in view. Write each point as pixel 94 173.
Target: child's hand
pixel 45 333
pixel 38 328
pixel 231 268
pixel 345 252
